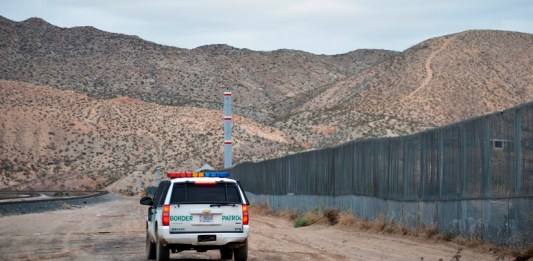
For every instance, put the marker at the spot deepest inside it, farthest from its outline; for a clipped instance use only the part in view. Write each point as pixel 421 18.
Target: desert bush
pixel 523 253
pixel 309 218
pixel 446 237
pixel 431 231
pixel 302 221
pixel 332 214
pixel 379 224
pixel 365 224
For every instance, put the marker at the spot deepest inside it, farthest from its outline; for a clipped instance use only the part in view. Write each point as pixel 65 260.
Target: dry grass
pixel 448 237
pixel 523 253
pixel 348 220
pixel 288 214
pixel 261 209
pixel 469 242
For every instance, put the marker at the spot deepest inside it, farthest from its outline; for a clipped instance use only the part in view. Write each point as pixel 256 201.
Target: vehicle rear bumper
pixel 222 239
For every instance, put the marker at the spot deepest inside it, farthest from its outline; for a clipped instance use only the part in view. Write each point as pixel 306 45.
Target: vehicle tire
pixel 150 248
pixel 162 252
pixel 226 254
pixel 241 253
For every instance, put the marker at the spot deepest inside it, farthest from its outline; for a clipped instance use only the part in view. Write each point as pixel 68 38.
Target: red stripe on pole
pixel 227 118
pixel 227 93
pixel 227 142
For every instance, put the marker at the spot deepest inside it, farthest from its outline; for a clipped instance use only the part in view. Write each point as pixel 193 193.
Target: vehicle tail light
pixel 166 215
pixel 245 217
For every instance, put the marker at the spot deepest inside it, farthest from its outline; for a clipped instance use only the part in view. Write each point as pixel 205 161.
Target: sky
pixel 315 26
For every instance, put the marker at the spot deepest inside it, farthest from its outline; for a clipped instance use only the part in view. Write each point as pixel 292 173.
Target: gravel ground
pixel 7 209
pixel 116 230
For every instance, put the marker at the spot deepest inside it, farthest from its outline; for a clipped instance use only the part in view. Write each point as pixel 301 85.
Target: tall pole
pixel 227 129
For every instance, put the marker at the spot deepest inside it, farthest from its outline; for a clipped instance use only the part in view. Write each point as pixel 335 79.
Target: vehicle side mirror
pixel 147 201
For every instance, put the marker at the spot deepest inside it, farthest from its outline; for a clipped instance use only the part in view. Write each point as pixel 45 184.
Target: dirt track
pixel 115 231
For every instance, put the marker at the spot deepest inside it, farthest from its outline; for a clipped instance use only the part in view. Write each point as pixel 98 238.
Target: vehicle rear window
pixel 191 193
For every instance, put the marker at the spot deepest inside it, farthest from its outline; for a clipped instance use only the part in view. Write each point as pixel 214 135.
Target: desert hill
pixel 437 82
pixel 443 80
pixel 52 138
pixel 108 65
pixel 80 101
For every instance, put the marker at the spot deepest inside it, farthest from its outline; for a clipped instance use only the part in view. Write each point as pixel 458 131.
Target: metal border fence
pixel 473 177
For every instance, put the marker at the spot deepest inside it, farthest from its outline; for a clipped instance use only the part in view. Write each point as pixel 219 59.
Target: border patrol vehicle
pixel 197 211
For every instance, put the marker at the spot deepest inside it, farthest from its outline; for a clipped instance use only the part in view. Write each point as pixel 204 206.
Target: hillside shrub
pixel 302 221
pixel 332 214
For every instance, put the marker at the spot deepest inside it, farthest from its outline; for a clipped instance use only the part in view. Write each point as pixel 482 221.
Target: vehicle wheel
pixel 226 254
pixel 241 253
pixel 150 247
pixel 162 252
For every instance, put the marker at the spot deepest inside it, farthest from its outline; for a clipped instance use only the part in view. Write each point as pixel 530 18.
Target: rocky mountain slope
pixel 55 139
pixel 442 80
pixel 107 65
pixel 437 82
pixel 80 103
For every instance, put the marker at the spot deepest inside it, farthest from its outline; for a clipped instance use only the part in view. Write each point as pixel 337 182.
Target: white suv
pixel 197 211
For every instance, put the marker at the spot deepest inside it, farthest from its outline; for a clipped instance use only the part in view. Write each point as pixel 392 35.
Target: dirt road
pixel 115 231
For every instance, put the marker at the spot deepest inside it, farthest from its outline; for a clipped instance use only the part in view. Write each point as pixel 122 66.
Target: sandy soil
pixel 115 231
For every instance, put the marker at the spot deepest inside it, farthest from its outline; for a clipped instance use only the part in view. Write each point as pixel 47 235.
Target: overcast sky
pixel 316 26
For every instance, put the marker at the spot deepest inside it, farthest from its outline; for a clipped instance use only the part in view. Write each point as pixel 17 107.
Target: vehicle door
pixel 156 209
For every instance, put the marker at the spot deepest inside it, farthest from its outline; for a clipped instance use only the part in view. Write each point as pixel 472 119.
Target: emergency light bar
pixel 173 175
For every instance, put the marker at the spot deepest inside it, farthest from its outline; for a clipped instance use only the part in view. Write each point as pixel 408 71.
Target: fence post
pixel 462 154
pixel 441 162
pixel 487 149
pixel 405 168
pixel 518 150
pixel 424 140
